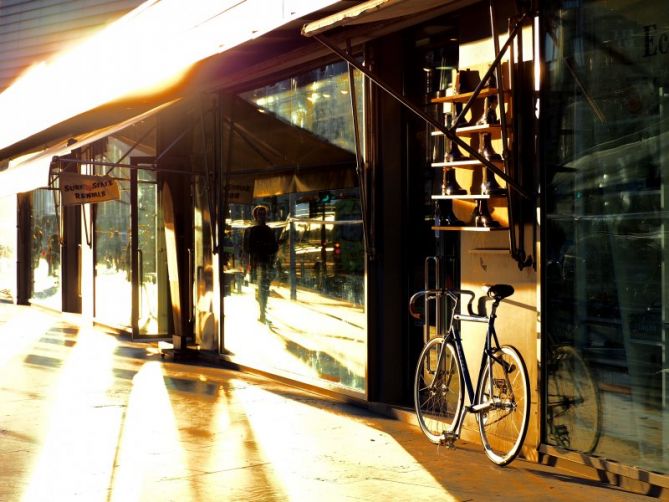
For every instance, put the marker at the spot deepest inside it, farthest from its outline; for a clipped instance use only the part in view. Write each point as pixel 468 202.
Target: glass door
pixel 130 269
pixel 149 278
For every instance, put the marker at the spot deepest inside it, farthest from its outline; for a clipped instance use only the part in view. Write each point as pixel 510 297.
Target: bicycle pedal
pixel 448 440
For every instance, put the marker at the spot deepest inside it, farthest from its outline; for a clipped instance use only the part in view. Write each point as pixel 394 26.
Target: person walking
pixel 260 246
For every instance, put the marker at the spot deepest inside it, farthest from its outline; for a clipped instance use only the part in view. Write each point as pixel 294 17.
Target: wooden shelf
pixel 495 130
pixel 467 197
pixel 471 164
pixel 470 229
pixel 465 96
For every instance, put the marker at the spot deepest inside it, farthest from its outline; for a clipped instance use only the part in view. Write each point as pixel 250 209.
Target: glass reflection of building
pixel 316 327
pixel 46 250
pixel 606 282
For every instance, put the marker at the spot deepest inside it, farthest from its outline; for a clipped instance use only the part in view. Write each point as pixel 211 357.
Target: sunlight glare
pixel 76 459
pixel 26 327
pixel 145 51
pixel 149 446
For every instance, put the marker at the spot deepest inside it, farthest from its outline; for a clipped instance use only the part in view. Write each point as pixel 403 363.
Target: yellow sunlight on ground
pixel 346 442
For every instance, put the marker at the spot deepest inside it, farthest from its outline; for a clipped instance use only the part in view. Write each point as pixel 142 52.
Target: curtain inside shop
pixel 606 114
pixel 300 311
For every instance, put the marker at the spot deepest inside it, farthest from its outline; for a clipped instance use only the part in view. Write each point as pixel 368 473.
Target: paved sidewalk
pixel 87 416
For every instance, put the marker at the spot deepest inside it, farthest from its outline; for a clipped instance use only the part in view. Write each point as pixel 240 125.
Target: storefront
pixel 604 111
pixel 342 146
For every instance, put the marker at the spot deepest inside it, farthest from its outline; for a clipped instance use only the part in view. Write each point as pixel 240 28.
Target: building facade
pixel 333 141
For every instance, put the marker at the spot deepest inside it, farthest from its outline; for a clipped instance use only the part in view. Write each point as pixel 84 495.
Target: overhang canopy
pixel 277 156
pixel 143 54
pixel 372 11
pixel 32 171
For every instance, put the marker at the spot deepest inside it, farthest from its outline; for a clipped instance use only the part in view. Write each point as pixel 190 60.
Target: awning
pixel 32 171
pixel 280 157
pixel 373 11
pixel 142 54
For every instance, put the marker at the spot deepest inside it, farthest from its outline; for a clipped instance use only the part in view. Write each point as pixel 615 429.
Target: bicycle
pixel 501 401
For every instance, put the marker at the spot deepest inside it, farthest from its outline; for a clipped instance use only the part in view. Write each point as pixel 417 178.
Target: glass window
pixel 8 249
pixel 301 308
pixel 317 101
pixel 606 149
pixel 112 246
pixel 294 292
pixel 45 250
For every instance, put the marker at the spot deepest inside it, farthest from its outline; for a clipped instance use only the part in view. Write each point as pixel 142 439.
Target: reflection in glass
pixel 607 280
pixel 113 265
pixel 317 101
pixel 152 316
pixel 45 250
pixel 8 249
pixel 315 317
pixel 205 305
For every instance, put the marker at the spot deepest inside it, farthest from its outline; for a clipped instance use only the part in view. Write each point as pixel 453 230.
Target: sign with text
pixel 84 189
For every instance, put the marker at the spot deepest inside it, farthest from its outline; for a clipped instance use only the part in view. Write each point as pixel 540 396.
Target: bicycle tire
pixel 503 426
pixel 573 404
pixel 438 391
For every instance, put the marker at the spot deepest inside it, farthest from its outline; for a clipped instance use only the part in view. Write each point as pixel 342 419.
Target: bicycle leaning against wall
pixel 501 401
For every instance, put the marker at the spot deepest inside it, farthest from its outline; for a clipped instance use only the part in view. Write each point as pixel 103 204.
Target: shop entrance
pixel 130 264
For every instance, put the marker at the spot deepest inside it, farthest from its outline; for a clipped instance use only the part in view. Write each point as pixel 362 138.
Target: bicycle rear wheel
pixel 438 389
pixel 573 406
pixel 504 424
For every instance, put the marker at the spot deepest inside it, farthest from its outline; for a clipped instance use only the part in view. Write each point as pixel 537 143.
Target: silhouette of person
pixel 260 246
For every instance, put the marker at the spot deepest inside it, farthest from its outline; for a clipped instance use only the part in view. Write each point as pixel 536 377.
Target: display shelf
pixel 471 164
pixel 466 96
pixel 467 197
pixel 495 131
pixel 467 228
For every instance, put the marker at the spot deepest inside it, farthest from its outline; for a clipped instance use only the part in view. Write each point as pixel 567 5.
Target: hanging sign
pixel 83 189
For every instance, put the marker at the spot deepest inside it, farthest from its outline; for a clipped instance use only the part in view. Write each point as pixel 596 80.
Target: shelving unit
pixel 493 132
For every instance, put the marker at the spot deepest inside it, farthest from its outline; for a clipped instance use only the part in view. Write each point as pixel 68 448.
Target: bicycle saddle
pixel 500 291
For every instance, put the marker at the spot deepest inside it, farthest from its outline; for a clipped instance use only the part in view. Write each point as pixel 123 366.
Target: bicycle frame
pixel 491 345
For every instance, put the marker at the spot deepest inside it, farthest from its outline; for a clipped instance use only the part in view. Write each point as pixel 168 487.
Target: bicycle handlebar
pixel 434 293
pixel 497 292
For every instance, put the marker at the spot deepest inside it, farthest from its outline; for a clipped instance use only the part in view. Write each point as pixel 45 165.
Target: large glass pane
pixel 113 266
pixel 294 292
pixel 8 249
pixel 45 250
pixel 607 278
pixel 318 101
pixel 113 247
pixel 152 273
pixel 303 311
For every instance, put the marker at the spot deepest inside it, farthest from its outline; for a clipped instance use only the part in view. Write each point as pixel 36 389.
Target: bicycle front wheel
pixel 504 387
pixel 438 389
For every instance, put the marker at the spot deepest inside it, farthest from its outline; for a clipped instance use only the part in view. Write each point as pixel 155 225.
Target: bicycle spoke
pixel 503 425
pixel 437 389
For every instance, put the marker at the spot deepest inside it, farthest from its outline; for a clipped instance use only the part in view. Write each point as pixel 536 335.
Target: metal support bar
pixel 130 150
pixel 360 165
pixel 209 176
pixel 147 167
pixel 499 54
pixel 448 132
